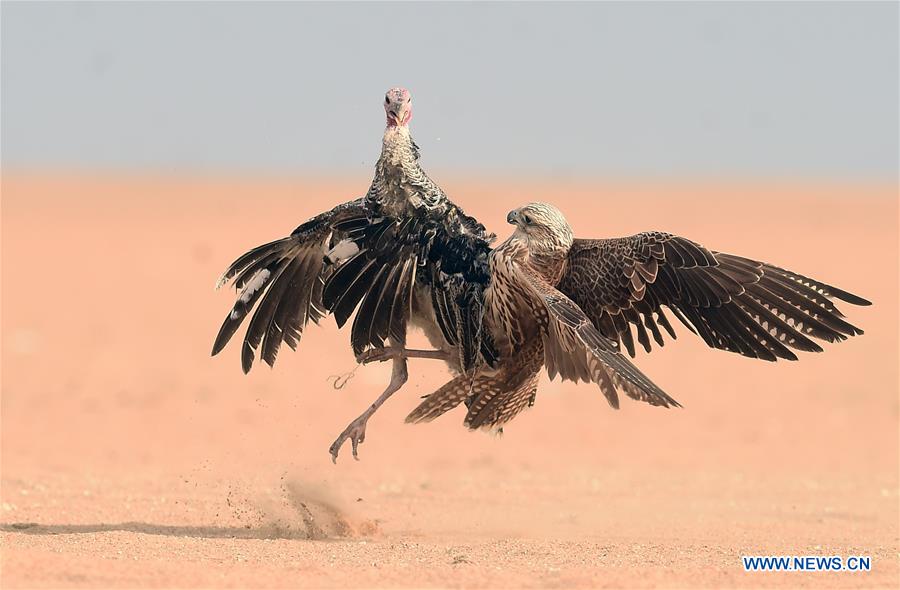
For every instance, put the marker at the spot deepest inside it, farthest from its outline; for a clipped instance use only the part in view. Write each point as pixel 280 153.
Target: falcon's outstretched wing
pixel 733 303
pixel 576 350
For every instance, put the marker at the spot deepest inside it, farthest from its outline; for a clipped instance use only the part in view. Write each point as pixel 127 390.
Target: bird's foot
pixel 377 355
pixel 356 432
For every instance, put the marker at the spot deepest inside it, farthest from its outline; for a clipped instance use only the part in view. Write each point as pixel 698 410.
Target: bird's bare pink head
pixel 398 107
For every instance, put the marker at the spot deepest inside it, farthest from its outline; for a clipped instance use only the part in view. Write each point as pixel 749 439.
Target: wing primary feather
pixel 295 320
pixel 822 318
pixel 769 321
pixel 664 321
pixel 624 333
pixel 400 306
pixel 689 316
pixel 266 261
pixel 246 300
pixel 249 258
pixel 262 315
pixel 642 336
pixel 654 329
pixel 828 289
pixel 816 321
pixel 350 298
pixel 361 330
pixel 289 301
pixel 733 334
pixel 382 316
pixel 343 278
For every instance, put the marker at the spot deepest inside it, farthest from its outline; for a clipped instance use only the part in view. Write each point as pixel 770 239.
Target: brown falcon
pixel 569 304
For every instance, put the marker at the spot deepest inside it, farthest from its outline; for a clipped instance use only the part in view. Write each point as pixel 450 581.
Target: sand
pixel 130 458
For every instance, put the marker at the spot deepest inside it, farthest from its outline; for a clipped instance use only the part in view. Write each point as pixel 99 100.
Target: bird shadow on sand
pixel 304 513
pixel 205 532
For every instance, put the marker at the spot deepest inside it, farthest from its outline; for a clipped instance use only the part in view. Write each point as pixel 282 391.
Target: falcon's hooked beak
pixel 513 217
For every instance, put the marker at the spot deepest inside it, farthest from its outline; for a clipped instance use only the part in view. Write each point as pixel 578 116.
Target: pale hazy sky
pixel 686 89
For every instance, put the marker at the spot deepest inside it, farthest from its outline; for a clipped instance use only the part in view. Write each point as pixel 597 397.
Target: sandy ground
pixel 130 458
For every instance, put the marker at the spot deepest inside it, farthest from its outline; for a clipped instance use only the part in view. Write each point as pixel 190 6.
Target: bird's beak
pixel 513 217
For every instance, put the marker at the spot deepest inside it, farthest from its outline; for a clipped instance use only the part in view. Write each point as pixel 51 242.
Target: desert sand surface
pixel 130 458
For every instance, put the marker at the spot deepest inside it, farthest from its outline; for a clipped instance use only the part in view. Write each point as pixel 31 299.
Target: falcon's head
pixel 398 107
pixel 543 227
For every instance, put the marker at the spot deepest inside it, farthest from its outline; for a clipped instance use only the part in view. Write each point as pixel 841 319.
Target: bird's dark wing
pixel 394 255
pixel 574 349
pixel 284 280
pixel 377 282
pixel 733 303
pixel 356 259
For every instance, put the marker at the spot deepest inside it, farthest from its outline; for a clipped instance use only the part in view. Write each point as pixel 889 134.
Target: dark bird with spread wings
pixel 405 256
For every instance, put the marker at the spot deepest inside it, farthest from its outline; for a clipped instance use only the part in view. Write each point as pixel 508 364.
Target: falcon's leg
pixel 356 430
pixel 398 352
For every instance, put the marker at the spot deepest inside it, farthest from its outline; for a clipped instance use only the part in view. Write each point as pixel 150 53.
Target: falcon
pixel 405 256
pixel 569 305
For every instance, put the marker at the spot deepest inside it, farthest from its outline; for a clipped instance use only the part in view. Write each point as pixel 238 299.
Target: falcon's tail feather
pixel 495 405
pixel 450 395
pixel 491 402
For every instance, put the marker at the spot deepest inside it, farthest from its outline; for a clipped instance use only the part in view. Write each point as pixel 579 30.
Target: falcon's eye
pixel 386 99
pixel 527 219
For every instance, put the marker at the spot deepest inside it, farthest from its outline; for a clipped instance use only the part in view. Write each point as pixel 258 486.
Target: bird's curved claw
pixel 356 432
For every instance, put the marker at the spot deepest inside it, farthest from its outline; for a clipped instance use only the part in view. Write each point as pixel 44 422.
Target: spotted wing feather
pixel 733 303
